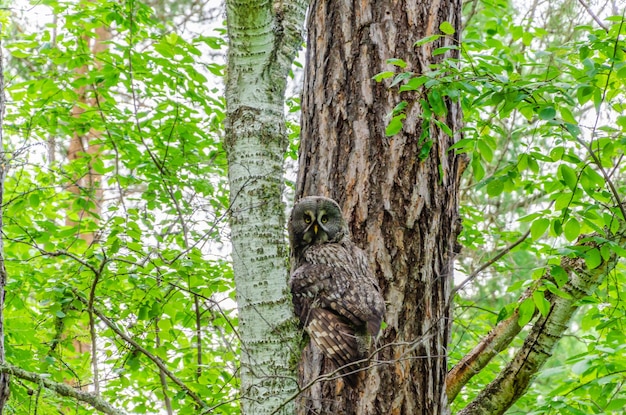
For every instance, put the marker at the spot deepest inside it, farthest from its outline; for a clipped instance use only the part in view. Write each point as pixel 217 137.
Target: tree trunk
pixel 87 186
pixel 263 40
pixel 402 210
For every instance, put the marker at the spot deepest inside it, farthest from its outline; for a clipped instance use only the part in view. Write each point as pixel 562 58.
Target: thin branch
pixel 489 263
pixel 92 326
pixel 593 15
pixel 162 378
pixel 145 352
pixel 62 389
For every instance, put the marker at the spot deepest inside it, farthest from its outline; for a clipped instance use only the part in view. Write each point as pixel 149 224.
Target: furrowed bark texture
pixel 263 40
pixel 514 379
pixel 402 211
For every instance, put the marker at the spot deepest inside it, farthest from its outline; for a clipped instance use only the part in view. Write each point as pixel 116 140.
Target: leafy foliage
pixel 545 137
pixel 117 248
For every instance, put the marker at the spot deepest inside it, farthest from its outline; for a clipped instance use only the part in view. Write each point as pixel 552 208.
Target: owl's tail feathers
pixel 338 342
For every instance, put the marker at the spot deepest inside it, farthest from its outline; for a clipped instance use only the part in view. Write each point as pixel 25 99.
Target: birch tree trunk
pixel 263 40
pixel 402 210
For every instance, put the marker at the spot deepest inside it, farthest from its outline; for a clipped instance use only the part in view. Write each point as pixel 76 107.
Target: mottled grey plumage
pixel 335 294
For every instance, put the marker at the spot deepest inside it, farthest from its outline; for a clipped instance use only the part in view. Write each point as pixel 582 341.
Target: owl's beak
pixel 315 228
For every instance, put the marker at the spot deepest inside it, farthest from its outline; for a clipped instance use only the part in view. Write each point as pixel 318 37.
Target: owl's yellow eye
pixel 324 219
pixel 307 219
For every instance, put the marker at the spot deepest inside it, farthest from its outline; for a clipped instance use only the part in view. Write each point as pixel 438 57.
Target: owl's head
pixel 316 220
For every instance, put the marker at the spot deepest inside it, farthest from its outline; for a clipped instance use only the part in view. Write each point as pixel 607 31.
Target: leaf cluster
pixel 123 236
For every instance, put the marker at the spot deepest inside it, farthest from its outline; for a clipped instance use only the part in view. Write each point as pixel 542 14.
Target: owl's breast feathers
pixel 339 303
pixel 335 277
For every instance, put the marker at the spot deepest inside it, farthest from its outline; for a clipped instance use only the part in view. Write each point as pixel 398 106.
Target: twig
pixel 487 264
pixel 145 352
pixel 593 15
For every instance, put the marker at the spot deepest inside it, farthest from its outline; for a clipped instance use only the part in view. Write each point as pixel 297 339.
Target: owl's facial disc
pixel 316 231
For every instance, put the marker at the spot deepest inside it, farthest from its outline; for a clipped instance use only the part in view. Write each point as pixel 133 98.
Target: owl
pixel 334 293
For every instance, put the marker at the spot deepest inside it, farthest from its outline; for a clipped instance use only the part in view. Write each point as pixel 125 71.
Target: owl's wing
pixel 337 340
pixel 339 290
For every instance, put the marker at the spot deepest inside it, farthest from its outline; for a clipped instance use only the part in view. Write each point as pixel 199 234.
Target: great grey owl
pixel 335 294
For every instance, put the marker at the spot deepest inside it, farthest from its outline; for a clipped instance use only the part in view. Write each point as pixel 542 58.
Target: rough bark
pixel 4 377
pixel 514 379
pixel 263 40
pixel 402 211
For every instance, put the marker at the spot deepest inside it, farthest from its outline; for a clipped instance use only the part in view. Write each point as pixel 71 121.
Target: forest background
pixel 118 280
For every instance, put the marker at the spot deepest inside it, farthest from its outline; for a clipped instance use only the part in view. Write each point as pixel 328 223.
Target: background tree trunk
pixel 402 211
pixel 88 185
pixel 263 40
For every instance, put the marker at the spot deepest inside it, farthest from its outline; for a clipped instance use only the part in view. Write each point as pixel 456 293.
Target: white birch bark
pixel 263 40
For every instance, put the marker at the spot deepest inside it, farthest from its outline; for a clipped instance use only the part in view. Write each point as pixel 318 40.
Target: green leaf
pixel 563 200
pixel 447 28
pixel 593 259
pixel 443 127
pixel 495 187
pixel 526 311
pixel 559 293
pixel 171 38
pixel 414 83
pixel 395 125
pixel 477 168
pixel 401 77
pixel 427 39
pixel 425 150
pixel 530 217
pixel 567 115
pixel 506 312
pixel 538 228
pixel 444 49
pixel 399 108
pixel 571 230
pixel 485 150
pixel 557 153
pixel 98 165
pixel 617 405
pixel 569 176
pixel 584 94
pixel 559 275
pixel 143 313
pixel 547 113
pixel 33 200
pixel 557 226
pixel 541 303
pixel 436 103
pixel 397 62
pixel 383 75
